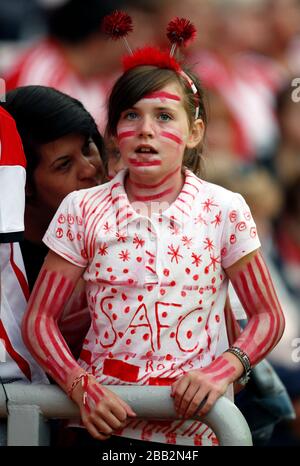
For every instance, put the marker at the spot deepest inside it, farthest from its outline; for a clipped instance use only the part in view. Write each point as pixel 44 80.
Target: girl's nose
pixel 146 127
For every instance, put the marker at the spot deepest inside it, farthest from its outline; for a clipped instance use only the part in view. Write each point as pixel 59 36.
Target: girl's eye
pixel 164 117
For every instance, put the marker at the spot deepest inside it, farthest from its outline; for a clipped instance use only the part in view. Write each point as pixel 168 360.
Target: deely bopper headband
pixel 180 32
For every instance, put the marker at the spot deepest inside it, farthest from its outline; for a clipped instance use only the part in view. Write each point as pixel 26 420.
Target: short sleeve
pixel 239 236
pixel 65 235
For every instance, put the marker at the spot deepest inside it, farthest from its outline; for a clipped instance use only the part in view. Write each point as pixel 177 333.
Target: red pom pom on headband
pixel 181 31
pixel 117 25
pixel 150 56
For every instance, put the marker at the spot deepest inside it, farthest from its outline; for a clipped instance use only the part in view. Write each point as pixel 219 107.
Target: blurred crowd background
pixel 247 55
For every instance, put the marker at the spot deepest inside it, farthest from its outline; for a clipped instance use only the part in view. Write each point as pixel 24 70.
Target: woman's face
pixel 67 164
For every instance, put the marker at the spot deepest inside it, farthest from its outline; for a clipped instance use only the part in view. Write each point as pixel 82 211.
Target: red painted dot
pixel 150 288
pixel 151 261
pixel 189 334
pixel 160 219
pixel 110 306
pixel 106 335
pixel 114 316
pixel 199 319
pixel 146 336
pixel 127 357
pixel 132 331
pixel 206 270
pixel 172 334
pixel 213 280
pixel 217 318
pixel 124 297
pixel 98 264
pixel 109 269
pixel 149 354
pixel 169 357
pixel 128 341
pixel 139 259
pixel 187 270
pixel 173 283
pixel 113 290
pixel 125 270
pixel 127 309
pixel 112 277
pixel 140 297
pixel 183 294
pixel 164 314
pixel 141 317
pixel 166 272
pixel 195 277
pixel 130 281
pixel 120 334
pixel 200 302
pixel 162 291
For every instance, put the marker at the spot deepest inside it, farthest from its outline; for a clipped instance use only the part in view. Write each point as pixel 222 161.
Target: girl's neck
pixel 163 190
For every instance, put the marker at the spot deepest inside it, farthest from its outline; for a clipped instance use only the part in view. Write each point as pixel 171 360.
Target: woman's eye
pixel 64 165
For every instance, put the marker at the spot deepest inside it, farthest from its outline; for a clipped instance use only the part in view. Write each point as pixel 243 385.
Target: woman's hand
pixel 102 412
pixel 198 390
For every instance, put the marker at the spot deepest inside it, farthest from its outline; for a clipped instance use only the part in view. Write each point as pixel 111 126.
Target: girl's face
pixel 153 134
pixel 67 164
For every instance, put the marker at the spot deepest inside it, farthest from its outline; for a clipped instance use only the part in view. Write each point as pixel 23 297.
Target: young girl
pixel 156 246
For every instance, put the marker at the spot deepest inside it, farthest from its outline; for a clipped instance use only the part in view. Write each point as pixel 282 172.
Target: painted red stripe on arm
pixel 20 361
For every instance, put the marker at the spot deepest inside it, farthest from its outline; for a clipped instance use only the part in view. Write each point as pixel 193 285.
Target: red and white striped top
pixel 156 286
pixel 15 360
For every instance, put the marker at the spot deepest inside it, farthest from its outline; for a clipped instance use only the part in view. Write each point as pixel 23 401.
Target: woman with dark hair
pixel 64 152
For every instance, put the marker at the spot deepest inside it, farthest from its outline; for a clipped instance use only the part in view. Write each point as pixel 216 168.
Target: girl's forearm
pixel 40 330
pixel 256 292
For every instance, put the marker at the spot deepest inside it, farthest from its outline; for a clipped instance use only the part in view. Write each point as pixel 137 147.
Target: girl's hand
pixel 102 412
pixel 198 390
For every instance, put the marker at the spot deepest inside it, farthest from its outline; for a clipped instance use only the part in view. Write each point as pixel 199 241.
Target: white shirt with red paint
pixel 16 363
pixel 156 286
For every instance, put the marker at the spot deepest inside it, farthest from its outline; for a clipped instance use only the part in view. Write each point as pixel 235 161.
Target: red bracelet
pixel 84 377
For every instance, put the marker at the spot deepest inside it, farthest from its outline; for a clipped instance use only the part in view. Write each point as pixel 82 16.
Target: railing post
pixel 26 426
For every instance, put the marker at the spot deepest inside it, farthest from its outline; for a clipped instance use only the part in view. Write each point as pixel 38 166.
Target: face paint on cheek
pixel 125 134
pixel 171 136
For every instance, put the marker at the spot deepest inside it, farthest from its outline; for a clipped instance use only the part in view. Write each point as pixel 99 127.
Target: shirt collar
pixel 179 212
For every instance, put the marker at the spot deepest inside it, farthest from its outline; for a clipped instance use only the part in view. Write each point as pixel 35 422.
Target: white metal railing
pixel 29 406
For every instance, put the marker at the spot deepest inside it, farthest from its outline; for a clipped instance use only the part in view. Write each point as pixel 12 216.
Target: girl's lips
pixel 145 149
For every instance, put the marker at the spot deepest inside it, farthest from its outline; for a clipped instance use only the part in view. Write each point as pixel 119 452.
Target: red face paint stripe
pixel 149 163
pixel 162 95
pixel 126 134
pixel 171 136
